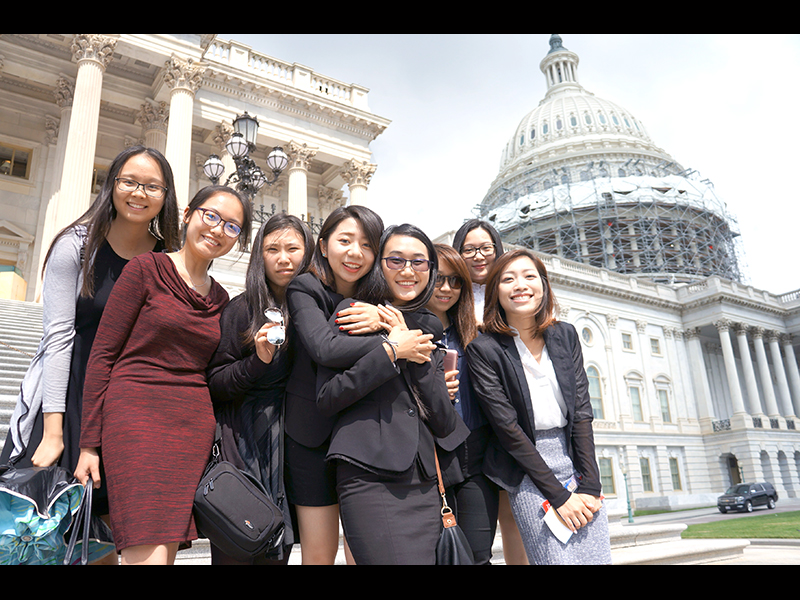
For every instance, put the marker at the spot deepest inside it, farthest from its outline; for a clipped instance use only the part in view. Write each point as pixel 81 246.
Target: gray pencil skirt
pixel 589 546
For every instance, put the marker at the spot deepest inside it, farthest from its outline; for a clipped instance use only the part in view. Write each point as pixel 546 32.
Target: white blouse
pixel 549 408
pixel 479 291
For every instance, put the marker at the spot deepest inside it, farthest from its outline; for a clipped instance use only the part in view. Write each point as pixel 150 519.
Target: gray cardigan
pixel 44 387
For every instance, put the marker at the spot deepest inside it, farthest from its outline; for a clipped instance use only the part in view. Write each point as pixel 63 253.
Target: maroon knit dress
pixel 146 404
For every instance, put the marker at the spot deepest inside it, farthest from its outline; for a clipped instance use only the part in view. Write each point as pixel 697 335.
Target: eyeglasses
pixel 454 280
pixel 212 219
pixel 395 263
pixel 485 250
pixel 151 189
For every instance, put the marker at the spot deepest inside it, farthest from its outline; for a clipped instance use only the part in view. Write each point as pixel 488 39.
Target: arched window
pixel 558 124
pixel 533 133
pixel 544 128
pixel 573 121
pixel 595 391
pixel 602 118
pixel 588 118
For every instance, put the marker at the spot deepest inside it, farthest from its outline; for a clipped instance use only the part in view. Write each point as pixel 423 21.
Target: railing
pixel 244 58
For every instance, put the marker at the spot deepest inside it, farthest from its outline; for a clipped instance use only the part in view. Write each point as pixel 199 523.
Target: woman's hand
pixel 451 379
pixel 88 466
pixel 391 317
pixel 359 318
pixel 411 344
pixel 264 349
pixel 578 511
pixel 52 445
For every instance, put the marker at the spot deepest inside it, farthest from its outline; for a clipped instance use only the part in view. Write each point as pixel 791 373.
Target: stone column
pixel 184 76
pixel 723 327
pixel 749 373
pixel 770 403
pixel 620 407
pixel 699 375
pixel 780 375
pixel 792 371
pixel 154 118
pixel 357 175
pixel 300 156
pixel 93 53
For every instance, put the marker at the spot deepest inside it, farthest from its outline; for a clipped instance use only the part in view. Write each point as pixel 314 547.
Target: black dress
pixel 107 268
pixel 248 397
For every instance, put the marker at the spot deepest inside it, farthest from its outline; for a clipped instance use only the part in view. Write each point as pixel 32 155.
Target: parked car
pixel 744 496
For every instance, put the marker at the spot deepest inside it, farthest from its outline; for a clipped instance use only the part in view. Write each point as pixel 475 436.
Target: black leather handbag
pixel 234 511
pixel 453 547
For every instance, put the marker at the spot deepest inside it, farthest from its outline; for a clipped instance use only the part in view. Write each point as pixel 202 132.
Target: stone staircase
pixel 21 330
pixel 20 333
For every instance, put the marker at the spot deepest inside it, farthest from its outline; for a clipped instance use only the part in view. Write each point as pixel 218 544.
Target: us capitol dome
pixel 581 179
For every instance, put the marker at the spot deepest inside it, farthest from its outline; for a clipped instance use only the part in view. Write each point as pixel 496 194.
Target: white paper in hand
pixel 561 531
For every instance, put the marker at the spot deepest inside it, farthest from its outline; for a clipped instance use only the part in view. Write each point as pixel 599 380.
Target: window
pixel 521 140
pixel 595 392
pixel 675 473
pixel 15 161
pixel 647 478
pixel 558 124
pixel 573 121
pixel 636 402
pixel 627 341
pixel 663 399
pixel 533 133
pixel 655 347
pixel 588 118
pixel 607 476
pixel 544 129
pixel 602 118
pixel 586 334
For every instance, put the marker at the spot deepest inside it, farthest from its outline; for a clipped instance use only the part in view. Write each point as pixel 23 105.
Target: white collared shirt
pixel 549 408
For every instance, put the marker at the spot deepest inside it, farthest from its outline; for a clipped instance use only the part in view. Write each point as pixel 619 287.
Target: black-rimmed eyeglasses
pixel 130 186
pixel 485 250
pixel 395 263
pixel 212 219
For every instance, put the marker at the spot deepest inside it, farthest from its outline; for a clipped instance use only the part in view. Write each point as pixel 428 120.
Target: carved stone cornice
pixel 93 46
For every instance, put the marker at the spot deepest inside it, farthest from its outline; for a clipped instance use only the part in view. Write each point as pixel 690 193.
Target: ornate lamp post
pixel 248 177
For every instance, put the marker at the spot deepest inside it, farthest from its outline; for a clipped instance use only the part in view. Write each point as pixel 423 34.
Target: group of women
pixel 145 362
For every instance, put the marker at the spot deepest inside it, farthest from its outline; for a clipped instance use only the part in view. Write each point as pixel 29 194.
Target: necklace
pixel 193 286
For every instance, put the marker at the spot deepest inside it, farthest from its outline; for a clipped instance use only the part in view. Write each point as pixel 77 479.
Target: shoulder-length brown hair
pixel 494 317
pixel 462 313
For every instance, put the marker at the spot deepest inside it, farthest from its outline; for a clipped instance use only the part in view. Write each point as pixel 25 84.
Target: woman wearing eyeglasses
pixel 147 409
pixel 388 409
pixel 479 245
pixel 136 211
pixel 471 495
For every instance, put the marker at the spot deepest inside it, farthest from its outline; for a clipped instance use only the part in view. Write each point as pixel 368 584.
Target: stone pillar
pixel 153 118
pixel 300 156
pixel 749 373
pixel 93 53
pixel 57 133
pixel 723 327
pixel 780 375
pixel 357 175
pixel 792 371
pixel 184 76
pixel 699 375
pixel 620 407
pixel 770 403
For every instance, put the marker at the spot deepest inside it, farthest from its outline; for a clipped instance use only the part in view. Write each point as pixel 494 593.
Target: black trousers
pixel 475 504
pixel 389 520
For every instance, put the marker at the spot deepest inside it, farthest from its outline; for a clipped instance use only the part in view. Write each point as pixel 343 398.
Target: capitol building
pixel 693 373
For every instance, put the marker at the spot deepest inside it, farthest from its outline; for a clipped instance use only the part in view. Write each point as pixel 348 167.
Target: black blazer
pixel 310 305
pixel 378 422
pixel 502 390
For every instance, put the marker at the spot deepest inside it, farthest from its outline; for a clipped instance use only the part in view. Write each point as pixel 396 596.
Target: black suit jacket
pixel 502 390
pixel 310 305
pixel 378 419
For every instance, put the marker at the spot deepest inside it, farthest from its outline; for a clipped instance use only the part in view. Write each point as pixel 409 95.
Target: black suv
pixel 744 496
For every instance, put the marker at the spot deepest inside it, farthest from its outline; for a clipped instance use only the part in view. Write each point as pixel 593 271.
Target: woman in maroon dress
pixel 147 410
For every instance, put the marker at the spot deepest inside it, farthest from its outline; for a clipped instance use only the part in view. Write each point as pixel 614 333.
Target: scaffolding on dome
pixel 670 229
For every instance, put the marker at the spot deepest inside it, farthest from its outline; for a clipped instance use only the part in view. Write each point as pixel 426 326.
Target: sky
pixel 723 104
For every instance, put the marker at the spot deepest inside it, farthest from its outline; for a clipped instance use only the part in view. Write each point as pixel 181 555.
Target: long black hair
pixel 372 226
pixel 258 293
pixel 97 219
pixel 376 290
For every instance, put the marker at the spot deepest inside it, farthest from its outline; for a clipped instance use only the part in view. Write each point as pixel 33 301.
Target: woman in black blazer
pixel 527 371
pixel 388 410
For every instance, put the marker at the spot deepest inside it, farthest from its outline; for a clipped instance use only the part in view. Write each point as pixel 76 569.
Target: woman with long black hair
pixel 135 212
pixel 389 408
pixel 248 373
